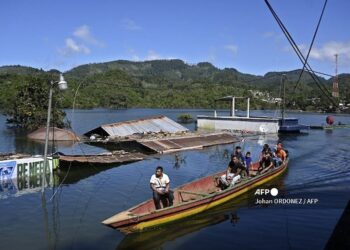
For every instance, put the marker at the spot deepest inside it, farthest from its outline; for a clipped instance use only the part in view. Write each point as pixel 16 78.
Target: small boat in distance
pixel 190 199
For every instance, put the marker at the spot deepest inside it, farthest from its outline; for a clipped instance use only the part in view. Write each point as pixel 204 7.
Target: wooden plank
pixel 194 193
pixel 197 141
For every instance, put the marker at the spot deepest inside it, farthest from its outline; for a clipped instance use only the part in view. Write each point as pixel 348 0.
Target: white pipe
pixel 248 107
pixel 233 107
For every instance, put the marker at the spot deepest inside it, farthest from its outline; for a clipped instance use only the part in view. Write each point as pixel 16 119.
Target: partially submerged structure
pixel 157 134
pixel 263 125
pixel 116 157
pixel 139 127
pixel 56 134
pixel 191 141
pixel 24 166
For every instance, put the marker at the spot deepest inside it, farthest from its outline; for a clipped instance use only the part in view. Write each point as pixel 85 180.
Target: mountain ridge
pixel 173 83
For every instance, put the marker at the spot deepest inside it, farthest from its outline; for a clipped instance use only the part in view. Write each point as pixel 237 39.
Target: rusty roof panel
pixel 115 157
pixel 154 124
pixel 56 134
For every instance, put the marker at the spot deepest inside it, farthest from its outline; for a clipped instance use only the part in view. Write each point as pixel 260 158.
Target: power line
pixel 312 42
pixel 300 55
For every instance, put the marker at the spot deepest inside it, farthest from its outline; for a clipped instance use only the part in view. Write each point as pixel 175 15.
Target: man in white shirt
pixel 160 184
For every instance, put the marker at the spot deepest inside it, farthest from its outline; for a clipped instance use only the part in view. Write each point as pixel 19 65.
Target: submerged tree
pixel 29 108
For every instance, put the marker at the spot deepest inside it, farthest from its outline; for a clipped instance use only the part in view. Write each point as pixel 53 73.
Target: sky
pixel 240 34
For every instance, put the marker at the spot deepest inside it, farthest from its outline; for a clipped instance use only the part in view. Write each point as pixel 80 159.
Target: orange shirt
pixel 280 153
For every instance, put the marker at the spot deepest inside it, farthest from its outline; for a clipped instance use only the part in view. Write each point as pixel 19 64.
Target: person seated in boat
pixel 266 161
pixel 280 154
pixel 239 154
pixel 266 149
pixel 160 184
pixel 233 173
pixel 248 162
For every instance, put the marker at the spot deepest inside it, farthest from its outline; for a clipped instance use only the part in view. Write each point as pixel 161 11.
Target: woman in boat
pixel 233 173
pixel 160 184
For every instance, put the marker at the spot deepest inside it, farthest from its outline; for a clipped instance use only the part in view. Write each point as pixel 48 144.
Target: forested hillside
pixel 168 84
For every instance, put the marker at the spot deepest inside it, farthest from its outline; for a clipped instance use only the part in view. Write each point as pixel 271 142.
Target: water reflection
pixel 156 238
pixel 32 184
pixel 179 160
pixel 71 175
pixel 26 185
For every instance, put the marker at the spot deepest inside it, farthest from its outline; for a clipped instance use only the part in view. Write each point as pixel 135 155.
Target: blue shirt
pixel 248 161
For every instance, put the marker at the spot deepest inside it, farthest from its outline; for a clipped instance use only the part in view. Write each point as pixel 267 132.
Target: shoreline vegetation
pixel 154 84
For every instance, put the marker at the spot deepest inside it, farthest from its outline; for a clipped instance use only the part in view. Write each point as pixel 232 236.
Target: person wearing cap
pixel 160 184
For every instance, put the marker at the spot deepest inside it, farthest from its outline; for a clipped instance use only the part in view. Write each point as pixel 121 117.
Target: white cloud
pixel 232 48
pixel 72 47
pixel 82 36
pixel 130 24
pixel 328 50
pixel 133 55
pixel 152 55
pixel 83 32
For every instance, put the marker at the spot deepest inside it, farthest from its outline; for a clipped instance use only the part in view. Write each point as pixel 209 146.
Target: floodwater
pixel 75 203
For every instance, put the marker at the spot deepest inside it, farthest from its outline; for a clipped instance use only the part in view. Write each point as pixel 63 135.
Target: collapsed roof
pixel 155 124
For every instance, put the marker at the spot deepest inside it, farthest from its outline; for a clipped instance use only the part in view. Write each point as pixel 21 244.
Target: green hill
pixel 168 83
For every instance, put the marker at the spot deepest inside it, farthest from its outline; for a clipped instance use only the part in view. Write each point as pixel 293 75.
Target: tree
pixel 29 108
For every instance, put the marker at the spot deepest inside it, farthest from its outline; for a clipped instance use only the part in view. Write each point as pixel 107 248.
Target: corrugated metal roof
pixel 56 134
pixel 154 124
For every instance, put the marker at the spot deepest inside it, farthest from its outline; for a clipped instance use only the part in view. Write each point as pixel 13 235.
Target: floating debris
pixel 104 158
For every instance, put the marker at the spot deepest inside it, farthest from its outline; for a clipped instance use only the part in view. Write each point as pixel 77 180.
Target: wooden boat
pixel 189 199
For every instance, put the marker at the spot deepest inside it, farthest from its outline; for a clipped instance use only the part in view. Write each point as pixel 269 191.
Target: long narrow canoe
pixel 189 199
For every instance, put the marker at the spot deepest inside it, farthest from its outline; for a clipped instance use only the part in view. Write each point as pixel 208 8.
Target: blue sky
pixel 239 34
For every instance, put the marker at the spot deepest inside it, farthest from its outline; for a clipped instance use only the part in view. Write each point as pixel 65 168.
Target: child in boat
pixel 248 162
pixel 233 173
pixel 160 184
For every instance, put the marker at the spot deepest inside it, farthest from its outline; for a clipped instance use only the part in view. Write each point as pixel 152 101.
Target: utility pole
pixel 335 92
pixel 283 77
